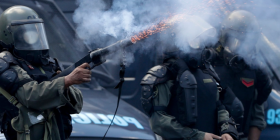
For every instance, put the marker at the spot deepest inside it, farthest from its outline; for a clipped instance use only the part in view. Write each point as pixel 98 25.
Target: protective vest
pixel 42 73
pixel 45 73
pixel 206 102
pixel 243 86
pixel 9 84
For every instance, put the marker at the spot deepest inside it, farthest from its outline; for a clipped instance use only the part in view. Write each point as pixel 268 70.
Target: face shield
pixel 240 42
pixel 199 33
pixel 196 34
pixel 29 35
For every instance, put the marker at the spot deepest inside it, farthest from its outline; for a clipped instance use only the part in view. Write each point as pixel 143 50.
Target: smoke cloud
pixel 101 23
pixel 99 26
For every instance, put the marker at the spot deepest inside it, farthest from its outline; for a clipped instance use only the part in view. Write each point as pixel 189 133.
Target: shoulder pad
pixel 11 81
pixel 7 56
pixel 158 71
pixel 187 80
pixel 7 79
pixel 148 79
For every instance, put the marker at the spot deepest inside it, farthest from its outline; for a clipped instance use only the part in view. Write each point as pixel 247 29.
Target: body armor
pixel 39 74
pixel 206 102
pixel 42 73
pixel 45 73
pixel 8 77
pixel 155 75
pixel 187 98
pixel 244 85
pixel 194 95
pixel 22 33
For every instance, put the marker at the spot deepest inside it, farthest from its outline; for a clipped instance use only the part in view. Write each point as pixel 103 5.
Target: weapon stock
pixel 96 56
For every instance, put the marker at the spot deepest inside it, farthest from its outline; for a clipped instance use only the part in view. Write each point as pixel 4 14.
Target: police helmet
pixel 240 31
pixel 22 31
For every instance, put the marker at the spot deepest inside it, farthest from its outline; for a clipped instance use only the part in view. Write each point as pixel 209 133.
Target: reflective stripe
pixel 42 70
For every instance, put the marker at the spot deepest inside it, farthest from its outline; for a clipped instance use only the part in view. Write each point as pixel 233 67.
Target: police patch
pixel 247 82
pixel 207 80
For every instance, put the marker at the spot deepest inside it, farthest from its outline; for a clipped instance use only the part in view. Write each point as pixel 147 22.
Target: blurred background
pixel 68 44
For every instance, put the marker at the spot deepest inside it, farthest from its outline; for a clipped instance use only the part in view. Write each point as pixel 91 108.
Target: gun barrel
pixel 96 55
pixel 111 48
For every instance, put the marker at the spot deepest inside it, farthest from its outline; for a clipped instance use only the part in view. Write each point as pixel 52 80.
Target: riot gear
pixel 236 48
pixel 155 75
pixel 202 34
pixel 8 77
pixel 22 36
pixel 189 93
pixel 163 73
pixel 234 61
pixel 22 32
pixel 240 32
pixel 186 102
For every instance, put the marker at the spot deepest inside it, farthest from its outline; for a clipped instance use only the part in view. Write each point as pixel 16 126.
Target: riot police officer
pixel 34 107
pixel 182 96
pixel 233 60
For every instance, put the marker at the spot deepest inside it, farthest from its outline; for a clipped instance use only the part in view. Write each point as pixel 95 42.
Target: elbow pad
pixel 155 75
pixel 187 100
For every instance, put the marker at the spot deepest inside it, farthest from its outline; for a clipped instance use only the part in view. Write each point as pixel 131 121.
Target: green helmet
pixel 240 31
pixel 22 31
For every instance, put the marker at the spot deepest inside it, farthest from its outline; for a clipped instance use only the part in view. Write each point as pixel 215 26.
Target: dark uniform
pixel 33 107
pixel 182 96
pixel 184 103
pixel 232 59
pixel 248 85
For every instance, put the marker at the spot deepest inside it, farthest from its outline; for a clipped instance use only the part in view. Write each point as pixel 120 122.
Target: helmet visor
pixel 241 42
pixel 29 35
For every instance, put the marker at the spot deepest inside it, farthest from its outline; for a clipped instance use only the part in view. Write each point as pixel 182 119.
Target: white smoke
pixel 100 25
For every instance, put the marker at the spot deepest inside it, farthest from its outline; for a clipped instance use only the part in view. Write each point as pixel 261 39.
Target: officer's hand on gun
pixel 79 75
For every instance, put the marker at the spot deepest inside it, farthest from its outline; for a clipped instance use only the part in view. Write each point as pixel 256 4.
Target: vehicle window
pixel 60 38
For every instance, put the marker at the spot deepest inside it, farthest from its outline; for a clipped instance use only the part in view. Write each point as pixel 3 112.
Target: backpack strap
pixel 10 98
pixel 27 132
